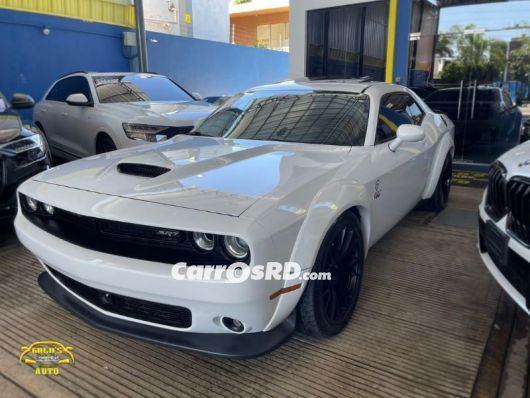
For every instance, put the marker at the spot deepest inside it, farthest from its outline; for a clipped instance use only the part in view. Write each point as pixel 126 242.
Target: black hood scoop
pixel 142 170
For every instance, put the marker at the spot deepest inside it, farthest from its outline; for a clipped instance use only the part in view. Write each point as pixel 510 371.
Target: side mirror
pixel 78 99
pixel 407 133
pixel 197 96
pixel 21 101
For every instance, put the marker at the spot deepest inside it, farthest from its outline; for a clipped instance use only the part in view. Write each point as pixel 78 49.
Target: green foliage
pixel 520 60
pixel 478 57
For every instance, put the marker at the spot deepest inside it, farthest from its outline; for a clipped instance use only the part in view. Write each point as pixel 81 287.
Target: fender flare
pixel 446 146
pixel 325 209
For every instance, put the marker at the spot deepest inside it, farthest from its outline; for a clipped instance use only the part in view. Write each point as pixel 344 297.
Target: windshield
pixel 313 117
pixel 141 87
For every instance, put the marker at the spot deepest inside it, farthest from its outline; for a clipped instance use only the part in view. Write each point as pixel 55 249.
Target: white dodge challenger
pixel 305 172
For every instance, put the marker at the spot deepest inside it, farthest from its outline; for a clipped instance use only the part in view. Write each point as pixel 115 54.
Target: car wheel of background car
pixel 440 197
pixel 104 144
pixel 327 305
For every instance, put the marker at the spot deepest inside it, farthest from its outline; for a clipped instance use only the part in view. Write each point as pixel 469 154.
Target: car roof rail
pixel 74 72
pixel 361 79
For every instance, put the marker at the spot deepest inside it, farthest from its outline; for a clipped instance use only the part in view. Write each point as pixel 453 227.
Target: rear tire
pixel 105 144
pixel 440 197
pixel 327 305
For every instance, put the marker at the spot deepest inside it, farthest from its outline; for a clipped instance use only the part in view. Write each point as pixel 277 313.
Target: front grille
pixel 519 208
pixel 148 311
pixel 496 197
pixel 141 242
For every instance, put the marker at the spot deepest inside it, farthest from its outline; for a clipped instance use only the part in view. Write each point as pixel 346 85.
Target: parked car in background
pixel 86 113
pixel 504 224
pixel 23 151
pixel 312 172
pixel 486 119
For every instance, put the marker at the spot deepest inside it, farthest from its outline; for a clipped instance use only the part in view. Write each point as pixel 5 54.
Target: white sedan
pixel 504 224
pixel 305 172
pixel 86 113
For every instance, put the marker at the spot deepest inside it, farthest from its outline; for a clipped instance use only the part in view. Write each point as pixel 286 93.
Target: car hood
pixel 175 113
pixel 517 160
pixel 217 175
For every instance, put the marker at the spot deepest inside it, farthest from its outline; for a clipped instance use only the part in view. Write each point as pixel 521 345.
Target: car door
pixel 65 124
pixel 77 122
pixel 402 174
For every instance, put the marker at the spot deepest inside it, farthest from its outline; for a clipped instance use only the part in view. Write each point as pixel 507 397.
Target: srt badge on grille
pixel 168 234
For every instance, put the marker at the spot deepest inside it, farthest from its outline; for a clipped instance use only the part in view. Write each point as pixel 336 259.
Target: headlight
pixel 204 241
pixel 32 204
pixel 48 209
pixel 145 132
pixel 236 247
pixel 25 144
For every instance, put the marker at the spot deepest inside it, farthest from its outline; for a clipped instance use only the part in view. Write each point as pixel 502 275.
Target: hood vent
pixel 142 170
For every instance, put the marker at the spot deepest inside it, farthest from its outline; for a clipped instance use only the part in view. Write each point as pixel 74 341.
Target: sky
pixel 489 16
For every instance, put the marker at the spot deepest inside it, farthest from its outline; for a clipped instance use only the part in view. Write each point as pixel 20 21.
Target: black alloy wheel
pixel 327 305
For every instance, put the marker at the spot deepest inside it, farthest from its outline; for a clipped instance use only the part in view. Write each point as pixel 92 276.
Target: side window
pixel 396 109
pixel 70 85
pixel 507 99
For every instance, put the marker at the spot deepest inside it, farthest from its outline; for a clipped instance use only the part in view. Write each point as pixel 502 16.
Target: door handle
pixel 473 103
pixel 460 99
pixel 64 114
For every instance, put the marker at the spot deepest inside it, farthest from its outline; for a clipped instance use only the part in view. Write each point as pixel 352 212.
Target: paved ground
pixel 423 321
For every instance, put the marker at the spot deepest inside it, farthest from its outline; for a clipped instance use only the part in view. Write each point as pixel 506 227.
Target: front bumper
pixel 507 259
pixel 246 345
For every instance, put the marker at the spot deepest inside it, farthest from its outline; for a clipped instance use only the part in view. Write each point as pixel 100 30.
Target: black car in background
pixel 487 121
pixel 23 151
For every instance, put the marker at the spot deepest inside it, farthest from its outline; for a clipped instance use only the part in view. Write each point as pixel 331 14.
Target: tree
pixel 478 58
pixel 520 60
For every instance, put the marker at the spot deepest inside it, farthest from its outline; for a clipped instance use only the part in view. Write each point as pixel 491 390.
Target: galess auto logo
pixel 47 356
pixel 525 163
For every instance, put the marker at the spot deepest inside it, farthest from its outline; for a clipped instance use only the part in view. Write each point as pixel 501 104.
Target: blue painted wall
pixel 30 61
pixel 213 68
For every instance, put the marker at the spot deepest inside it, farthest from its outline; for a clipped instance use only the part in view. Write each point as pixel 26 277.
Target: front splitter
pixel 228 345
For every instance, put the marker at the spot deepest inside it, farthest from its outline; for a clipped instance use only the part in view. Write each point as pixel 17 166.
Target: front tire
pixel 327 305
pixel 440 197
pixel 105 144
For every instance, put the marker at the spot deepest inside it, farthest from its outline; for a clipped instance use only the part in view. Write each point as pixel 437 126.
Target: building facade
pixel 200 19
pixel 260 23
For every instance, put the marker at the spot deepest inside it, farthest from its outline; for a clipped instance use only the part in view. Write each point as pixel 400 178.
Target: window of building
pixel 347 41
pixel 273 36
pixel 396 109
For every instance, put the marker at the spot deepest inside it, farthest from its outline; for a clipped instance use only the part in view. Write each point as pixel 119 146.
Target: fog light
pixel 236 247
pixel 204 241
pixel 48 209
pixel 32 203
pixel 233 324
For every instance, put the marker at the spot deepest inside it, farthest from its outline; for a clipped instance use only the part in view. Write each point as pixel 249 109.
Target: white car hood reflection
pixel 210 174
